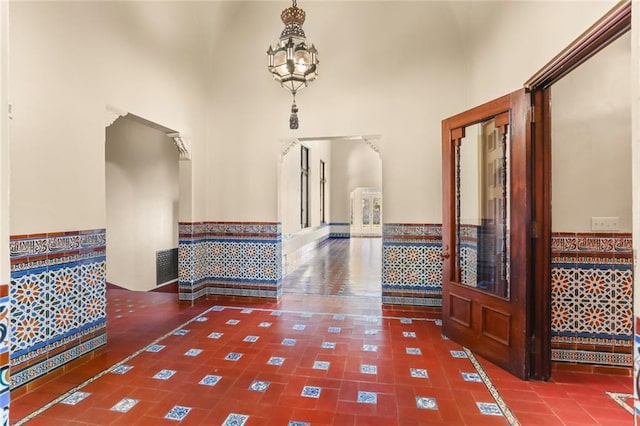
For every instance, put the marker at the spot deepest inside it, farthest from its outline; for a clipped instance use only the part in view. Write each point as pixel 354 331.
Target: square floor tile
pixel 275 360
pixel 233 356
pixel 181 332
pixel 409 334
pixel 124 405
pixel 471 377
pixel 489 408
pixel 439 322
pixel 276 313
pixel 246 311
pixel 338 317
pixel 328 345
pixel 234 419
pixel 233 322
pixel 371 331
pixel 251 339
pixel 367 397
pixel 311 392
pixel 299 327
pixel 406 321
pixel 122 369
pixel 459 354
pixel 414 351
pixel 202 319
pixel 193 352
pixel 155 348
pixel 370 348
pixel 321 365
pixel 259 386
pixel 264 324
pixel 177 413
pixel 368 369
pixel 75 398
pixel 372 319
pixel 217 308
pixel 297 423
pixel 164 374
pixel 210 380
pixel 419 373
pixel 334 329
pixel 289 342
pixel 215 335
pixel 425 403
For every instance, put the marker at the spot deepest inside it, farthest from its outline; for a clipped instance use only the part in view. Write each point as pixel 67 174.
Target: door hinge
pixel 533 114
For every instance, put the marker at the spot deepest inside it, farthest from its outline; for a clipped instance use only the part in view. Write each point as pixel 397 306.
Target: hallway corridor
pixel 326 354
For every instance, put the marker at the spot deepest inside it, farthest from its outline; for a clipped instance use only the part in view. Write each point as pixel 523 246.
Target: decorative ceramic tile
pixel 275 360
pixel 210 380
pixel 371 332
pixel 177 413
pixel 264 325
pixel 164 374
pixel 321 365
pixel 155 348
pixel 181 332
pixel 459 354
pixel 215 335
pixel 233 322
pixel 334 329
pixel 438 322
pixel 471 377
pixel 299 327
pixel 311 392
pixel 259 386
pixel 419 373
pixel 444 337
pixel 370 348
pixel 233 356
pixel 75 398
pixel 414 351
pixel 328 345
pixel 367 397
pixel 368 369
pixel 217 308
pixel 298 423
pixel 234 419
pixel 246 311
pixel 124 405
pixel 289 342
pixel 276 313
pixel 409 334
pixel 202 319
pixel 122 369
pixel 338 317
pixel 424 403
pixel 489 408
pixel 406 321
pixel 193 352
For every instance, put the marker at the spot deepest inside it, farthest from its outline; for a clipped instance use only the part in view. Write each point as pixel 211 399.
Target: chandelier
pixel 292 62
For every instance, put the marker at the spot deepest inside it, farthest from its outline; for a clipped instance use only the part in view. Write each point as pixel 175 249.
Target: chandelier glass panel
pixel 292 62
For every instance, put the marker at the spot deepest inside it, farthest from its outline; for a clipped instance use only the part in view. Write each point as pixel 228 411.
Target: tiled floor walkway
pixel 321 360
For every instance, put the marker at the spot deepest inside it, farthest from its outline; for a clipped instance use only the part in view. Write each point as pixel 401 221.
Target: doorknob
pixel 445 253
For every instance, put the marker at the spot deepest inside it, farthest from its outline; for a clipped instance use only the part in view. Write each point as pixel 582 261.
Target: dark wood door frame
pixel 605 31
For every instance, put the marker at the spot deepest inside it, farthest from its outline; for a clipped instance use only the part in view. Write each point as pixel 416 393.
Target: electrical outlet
pixel 606 224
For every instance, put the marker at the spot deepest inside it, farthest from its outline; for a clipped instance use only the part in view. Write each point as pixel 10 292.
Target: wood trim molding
pixel 607 29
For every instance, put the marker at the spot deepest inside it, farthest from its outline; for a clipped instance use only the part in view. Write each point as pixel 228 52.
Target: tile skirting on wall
pixel 412 264
pixel 230 258
pixel 592 299
pixel 57 299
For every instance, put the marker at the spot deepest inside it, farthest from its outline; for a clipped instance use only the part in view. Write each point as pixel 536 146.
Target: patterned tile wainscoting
pixel 340 230
pixel 5 380
pixel 57 301
pixel 411 264
pixel 592 301
pixel 230 258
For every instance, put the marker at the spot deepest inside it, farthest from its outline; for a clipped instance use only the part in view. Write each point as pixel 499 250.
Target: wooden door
pixel 486 236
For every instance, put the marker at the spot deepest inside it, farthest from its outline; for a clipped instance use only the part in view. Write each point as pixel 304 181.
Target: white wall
pixel 5 267
pixel 591 134
pixel 142 202
pixel 68 60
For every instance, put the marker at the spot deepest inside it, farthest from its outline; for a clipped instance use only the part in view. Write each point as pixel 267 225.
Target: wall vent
pixel 166 266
